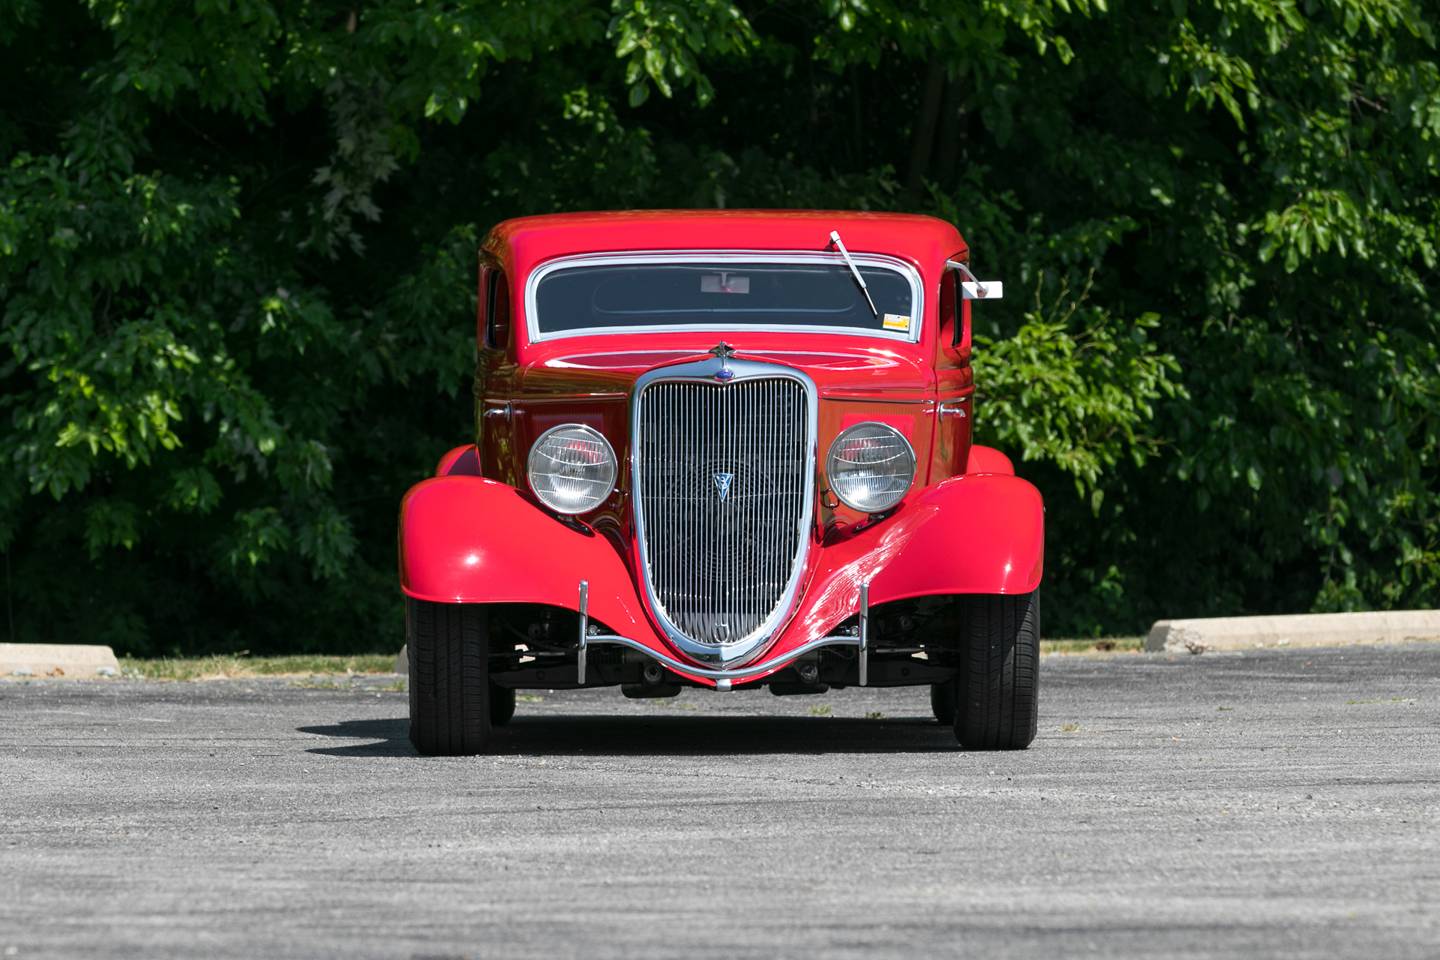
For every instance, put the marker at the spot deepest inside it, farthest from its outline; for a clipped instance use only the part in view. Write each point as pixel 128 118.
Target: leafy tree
pixel 236 264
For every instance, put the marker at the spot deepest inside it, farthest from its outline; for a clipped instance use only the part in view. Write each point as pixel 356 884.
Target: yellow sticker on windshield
pixel 894 321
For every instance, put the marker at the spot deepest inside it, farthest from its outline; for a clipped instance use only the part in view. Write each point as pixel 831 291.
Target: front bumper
pixel 724 679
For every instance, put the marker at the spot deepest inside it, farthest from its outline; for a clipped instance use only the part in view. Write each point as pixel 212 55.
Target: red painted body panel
pixel 461 460
pixel 471 540
pixel 474 533
pixel 521 245
pixel 989 460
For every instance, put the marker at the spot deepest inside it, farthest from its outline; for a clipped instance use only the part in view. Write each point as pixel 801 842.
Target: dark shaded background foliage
pixel 237 252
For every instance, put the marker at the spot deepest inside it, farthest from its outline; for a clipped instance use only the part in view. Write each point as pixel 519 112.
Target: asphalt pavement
pixel 1268 804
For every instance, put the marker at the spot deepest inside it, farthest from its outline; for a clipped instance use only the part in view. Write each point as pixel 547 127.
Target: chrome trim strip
pixel 902 267
pixel 583 648
pixel 863 654
pixel 726 676
pixel 704 372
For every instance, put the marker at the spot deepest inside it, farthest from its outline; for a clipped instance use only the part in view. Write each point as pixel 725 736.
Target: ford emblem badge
pixel 724 373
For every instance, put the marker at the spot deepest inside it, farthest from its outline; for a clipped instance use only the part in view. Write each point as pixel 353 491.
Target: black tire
pixel 450 707
pixel 502 705
pixel 942 702
pixel 996 705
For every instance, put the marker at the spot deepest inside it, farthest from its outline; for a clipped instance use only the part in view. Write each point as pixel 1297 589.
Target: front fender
pixel 988 460
pixel 976 533
pixel 982 533
pixel 465 539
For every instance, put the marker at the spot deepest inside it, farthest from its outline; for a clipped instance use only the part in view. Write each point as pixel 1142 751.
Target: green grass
pixel 232 666
pixel 1097 645
pixel 229 666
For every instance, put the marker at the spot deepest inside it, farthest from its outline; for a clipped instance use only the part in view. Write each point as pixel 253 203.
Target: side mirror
pixel 983 289
pixel 973 288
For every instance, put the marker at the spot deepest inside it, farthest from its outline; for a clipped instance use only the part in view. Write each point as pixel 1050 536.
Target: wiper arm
pixel 854 270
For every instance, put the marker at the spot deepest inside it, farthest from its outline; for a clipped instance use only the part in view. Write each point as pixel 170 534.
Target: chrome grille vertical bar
pixel 761 537
pixel 664 519
pixel 745 587
pixel 738 606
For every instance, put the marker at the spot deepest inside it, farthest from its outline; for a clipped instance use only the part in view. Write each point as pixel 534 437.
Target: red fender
pixel 465 539
pixel 464 461
pixel 989 460
pixel 982 533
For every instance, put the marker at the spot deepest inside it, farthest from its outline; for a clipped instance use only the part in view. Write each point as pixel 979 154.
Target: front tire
pixel 996 687
pixel 449 651
pixel 502 705
pixel 942 702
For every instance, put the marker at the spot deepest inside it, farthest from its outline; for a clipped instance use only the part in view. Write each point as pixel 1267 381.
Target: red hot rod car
pixel 723 449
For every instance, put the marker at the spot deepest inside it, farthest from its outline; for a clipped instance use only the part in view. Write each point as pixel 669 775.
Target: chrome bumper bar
pixel 724 678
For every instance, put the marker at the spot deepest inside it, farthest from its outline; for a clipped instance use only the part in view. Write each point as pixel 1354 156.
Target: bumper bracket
pixel 860 640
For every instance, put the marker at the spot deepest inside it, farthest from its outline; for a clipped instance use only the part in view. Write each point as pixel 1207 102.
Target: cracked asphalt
pixel 1270 804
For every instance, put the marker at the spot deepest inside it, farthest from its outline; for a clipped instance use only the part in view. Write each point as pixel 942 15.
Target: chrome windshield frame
pixel 699 257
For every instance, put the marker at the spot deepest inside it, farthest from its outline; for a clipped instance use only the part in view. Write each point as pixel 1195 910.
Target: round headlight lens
pixel 572 468
pixel 870 467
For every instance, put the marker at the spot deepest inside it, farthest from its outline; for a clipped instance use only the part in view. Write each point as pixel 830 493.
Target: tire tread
pixel 996 702
pixel 449 677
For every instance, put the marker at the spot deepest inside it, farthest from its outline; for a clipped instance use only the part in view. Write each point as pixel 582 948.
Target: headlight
pixel 870 467
pixel 572 468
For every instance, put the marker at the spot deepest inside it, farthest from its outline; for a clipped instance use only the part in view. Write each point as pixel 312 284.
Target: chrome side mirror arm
pixel 972 287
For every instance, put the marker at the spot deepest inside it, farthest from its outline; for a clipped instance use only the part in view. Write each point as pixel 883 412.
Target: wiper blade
pixel 854 270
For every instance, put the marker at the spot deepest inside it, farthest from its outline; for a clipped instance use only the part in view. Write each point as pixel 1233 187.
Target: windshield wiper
pixel 854 270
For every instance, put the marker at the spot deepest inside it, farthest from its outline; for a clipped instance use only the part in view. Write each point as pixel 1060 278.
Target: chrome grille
pixel 723 477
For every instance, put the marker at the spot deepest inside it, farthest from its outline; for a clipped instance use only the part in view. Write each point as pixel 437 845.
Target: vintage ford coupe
pixel 723 450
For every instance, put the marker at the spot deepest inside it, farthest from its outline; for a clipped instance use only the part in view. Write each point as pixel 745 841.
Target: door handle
pixel 953 409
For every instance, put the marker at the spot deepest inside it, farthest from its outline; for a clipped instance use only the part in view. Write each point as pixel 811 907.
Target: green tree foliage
pixel 237 253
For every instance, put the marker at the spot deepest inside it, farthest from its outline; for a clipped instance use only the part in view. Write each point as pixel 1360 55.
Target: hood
pixel 862 373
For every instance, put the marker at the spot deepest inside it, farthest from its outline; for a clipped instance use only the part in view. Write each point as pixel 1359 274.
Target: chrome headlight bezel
pixel 890 497
pixel 609 470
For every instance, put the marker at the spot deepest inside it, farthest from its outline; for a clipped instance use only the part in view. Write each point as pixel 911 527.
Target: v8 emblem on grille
pixel 722 484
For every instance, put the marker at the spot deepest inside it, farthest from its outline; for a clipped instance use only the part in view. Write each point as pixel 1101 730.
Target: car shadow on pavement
pixel 582 735
pixel 390 738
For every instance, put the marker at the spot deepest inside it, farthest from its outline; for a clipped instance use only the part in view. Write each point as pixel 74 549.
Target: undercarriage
pixel 908 642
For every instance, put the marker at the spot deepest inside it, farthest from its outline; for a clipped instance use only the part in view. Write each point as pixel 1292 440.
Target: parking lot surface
pixel 1271 804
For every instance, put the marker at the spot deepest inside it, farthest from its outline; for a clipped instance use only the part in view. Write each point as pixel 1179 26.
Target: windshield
pixel 818 295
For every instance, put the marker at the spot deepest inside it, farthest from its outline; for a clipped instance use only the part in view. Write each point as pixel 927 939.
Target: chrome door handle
pixel 956 409
pixel 507 411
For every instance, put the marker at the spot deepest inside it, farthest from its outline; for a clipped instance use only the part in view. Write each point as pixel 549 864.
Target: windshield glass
pixel 639 296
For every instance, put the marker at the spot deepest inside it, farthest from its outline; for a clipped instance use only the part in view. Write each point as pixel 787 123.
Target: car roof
pixel 525 242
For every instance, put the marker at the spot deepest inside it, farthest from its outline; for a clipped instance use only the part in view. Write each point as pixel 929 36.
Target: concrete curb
pixel 76 661
pixel 1299 630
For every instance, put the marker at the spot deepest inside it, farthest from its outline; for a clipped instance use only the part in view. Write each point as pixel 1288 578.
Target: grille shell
pixel 720 573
